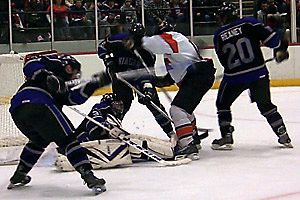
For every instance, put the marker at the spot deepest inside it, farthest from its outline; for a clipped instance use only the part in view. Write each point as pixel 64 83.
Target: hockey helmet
pixel 137 30
pixel 75 65
pixel 115 103
pixel 227 10
pixel 164 27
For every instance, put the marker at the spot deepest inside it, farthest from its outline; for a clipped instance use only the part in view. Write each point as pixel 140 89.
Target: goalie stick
pixel 155 157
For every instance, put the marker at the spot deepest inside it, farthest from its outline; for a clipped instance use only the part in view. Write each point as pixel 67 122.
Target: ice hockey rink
pixel 257 169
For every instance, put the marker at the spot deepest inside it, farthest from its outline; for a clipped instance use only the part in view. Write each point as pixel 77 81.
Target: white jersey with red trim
pixel 178 51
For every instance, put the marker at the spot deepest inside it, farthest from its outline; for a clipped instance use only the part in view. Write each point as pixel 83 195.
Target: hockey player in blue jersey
pixel 117 58
pixel 109 106
pixel 237 44
pixel 36 110
pixel 101 145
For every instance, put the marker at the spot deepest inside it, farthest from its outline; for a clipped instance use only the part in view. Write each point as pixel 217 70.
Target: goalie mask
pixel 116 104
pixel 72 67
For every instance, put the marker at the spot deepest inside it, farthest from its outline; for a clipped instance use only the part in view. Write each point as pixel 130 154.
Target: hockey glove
pixel 163 81
pixel 101 79
pixel 149 93
pixel 118 133
pixel 55 85
pixel 128 43
pixel 281 56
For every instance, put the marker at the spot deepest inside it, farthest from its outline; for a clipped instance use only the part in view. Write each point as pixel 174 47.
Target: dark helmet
pixel 164 27
pixel 115 103
pixel 137 30
pixel 70 60
pixel 227 9
pixel 75 65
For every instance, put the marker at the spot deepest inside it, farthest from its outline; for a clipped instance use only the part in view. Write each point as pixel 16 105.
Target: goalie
pixel 102 149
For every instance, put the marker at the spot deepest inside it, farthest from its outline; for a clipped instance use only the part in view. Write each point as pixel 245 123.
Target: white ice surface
pixel 257 168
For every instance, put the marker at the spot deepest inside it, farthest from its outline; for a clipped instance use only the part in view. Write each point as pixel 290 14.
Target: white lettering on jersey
pixel 231 33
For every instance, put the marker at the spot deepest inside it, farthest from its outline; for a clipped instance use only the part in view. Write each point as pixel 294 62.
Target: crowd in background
pixel 75 19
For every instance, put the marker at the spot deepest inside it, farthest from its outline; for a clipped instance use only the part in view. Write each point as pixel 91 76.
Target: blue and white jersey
pixel 237 46
pixel 35 89
pixel 87 130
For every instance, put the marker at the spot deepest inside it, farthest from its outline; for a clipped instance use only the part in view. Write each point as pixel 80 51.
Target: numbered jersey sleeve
pixel 238 45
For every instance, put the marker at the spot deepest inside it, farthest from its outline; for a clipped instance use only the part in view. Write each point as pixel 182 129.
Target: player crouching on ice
pixel 104 151
pixel 36 110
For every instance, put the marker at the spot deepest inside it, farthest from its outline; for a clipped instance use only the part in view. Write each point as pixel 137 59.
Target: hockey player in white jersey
pixel 193 75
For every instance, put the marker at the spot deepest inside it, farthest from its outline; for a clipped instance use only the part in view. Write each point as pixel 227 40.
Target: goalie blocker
pixel 112 152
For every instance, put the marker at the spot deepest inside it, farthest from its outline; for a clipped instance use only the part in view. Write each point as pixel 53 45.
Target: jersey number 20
pixel 243 49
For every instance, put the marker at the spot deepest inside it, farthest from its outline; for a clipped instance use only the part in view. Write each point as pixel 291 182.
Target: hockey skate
pixel 97 185
pixel 197 139
pixel 285 140
pixel 18 179
pixel 190 151
pixel 224 143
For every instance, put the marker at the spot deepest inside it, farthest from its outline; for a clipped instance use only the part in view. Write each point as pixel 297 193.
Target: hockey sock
pixel 76 155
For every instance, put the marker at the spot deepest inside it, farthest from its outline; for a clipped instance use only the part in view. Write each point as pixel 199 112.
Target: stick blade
pixel 171 163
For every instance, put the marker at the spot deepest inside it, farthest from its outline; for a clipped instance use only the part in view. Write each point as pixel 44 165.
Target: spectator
pixel 262 13
pixel 203 12
pixel 60 20
pixel 3 22
pixel 138 6
pixel 90 10
pixel 158 11
pixel 272 8
pixel 35 17
pixel 129 11
pixel 106 23
pixel 107 7
pixel 69 3
pixel 178 10
pixel 17 24
pixel 81 26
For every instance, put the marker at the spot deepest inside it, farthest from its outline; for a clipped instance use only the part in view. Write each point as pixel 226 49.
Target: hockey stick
pixel 135 145
pixel 205 130
pixel 151 72
pixel 101 76
pixel 142 95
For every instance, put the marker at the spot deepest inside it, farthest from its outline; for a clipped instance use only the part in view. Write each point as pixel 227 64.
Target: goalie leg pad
pixel 101 153
pixel 160 147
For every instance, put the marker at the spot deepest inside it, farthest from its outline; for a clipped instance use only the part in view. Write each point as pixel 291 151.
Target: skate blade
pixel 12 186
pixel 98 189
pixel 193 156
pixel 226 147
pixel 288 145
